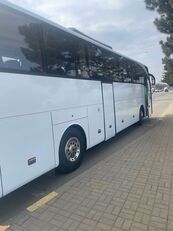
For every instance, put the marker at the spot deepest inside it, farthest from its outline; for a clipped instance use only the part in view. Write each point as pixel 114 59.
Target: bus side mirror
pixel 152 79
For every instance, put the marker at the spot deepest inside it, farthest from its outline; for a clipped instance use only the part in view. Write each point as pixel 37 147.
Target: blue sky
pixel 124 24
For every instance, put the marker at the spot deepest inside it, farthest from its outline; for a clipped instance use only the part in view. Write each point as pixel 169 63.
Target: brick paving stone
pixel 17 228
pixel 103 227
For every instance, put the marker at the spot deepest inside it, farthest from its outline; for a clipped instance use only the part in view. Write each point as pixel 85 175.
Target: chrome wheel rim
pixel 72 149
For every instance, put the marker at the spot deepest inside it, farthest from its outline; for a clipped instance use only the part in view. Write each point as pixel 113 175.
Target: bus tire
pixel 71 150
pixel 141 115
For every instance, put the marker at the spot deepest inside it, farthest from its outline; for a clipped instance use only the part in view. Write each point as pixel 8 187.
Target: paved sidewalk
pixel 131 190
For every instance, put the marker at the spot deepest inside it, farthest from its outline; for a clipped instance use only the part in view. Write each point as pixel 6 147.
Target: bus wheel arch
pixel 71 149
pixel 78 127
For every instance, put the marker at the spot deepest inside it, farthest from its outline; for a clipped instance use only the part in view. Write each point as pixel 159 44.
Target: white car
pixel 166 89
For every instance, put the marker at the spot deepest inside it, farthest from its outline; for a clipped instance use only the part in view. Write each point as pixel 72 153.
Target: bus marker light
pixel 32 161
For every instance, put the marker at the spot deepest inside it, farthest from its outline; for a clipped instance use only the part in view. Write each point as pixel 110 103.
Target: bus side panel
pixel 109 113
pixel 66 115
pixel 128 99
pixel 96 124
pixel 26 148
pixel 90 119
pixel 26 94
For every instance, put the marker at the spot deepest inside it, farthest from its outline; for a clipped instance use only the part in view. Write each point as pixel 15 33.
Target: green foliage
pixel 165 25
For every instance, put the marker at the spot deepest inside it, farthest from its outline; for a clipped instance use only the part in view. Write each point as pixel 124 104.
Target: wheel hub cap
pixel 72 149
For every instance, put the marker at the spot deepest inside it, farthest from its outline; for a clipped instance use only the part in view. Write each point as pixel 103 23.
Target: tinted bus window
pixel 108 65
pixel 125 73
pixel 60 52
pixel 82 60
pixel 96 64
pixel 116 68
pixel 19 42
pixel 139 74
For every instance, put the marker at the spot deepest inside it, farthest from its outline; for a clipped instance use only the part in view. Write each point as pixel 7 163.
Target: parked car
pixel 166 89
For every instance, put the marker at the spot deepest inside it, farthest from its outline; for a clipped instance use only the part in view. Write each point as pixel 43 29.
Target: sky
pixel 125 25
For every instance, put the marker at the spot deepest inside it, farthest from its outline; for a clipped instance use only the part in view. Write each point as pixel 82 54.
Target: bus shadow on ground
pixel 20 199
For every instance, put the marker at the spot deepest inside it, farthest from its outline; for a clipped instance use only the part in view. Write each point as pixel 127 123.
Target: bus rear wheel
pixel 141 116
pixel 71 150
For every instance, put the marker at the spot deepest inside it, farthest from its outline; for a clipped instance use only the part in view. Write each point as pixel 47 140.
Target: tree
pixel 165 25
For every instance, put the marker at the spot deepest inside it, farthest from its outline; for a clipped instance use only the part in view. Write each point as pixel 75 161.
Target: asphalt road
pixel 28 194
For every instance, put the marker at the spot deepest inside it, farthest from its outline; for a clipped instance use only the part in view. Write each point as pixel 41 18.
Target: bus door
pixel 149 98
pixel 108 110
pixel 150 81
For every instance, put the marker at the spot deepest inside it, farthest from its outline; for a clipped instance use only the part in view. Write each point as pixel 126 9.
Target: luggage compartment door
pixel 26 148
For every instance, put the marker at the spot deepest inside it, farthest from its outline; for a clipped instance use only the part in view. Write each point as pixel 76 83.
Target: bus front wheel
pixel 71 150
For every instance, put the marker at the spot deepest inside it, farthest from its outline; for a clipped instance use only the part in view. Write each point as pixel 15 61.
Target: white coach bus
pixel 61 92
